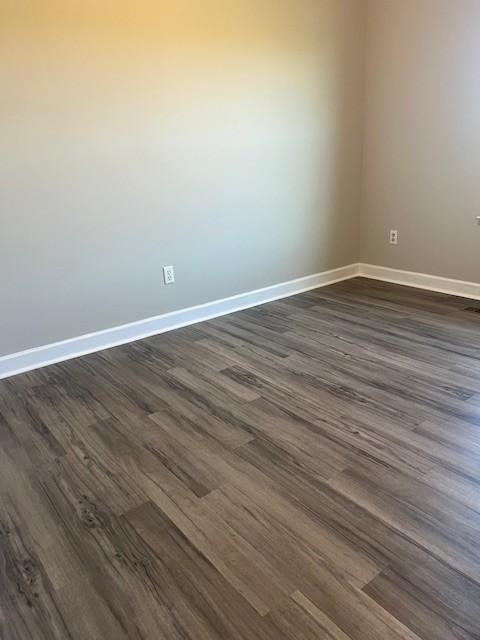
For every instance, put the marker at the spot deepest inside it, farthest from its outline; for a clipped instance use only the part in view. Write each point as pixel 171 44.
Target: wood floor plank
pixel 196 584
pixel 456 484
pixel 291 514
pixel 430 615
pixel 302 620
pixel 448 530
pixel 27 596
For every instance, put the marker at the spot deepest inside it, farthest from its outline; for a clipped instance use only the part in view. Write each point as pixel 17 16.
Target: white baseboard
pixel 30 359
pixel 23 361
pixel 422 281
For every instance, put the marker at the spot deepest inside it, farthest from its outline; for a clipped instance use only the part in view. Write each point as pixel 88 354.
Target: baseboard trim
pixel 460 288
pixel 20 362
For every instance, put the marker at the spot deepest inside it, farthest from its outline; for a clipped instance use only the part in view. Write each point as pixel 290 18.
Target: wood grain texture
pixel 306 469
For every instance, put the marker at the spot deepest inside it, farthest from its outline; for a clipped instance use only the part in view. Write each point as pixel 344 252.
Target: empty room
pixel 240 320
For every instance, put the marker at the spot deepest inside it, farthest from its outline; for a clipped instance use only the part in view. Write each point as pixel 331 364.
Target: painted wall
pixel 422 137
pixel 220 136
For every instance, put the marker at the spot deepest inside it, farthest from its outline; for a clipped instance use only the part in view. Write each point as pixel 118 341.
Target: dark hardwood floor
pixel 308 469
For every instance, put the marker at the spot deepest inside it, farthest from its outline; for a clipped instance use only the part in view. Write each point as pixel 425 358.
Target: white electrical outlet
pixel 168 275
pixel 393 236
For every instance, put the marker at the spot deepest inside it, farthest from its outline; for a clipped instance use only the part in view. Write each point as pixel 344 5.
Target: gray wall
pixel 221 137
pixel 422 137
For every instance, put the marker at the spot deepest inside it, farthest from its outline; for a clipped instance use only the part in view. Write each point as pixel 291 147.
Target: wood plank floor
pixel 308 469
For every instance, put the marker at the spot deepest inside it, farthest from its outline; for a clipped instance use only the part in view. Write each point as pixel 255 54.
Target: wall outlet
pixel 393 236
pixel 168 275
